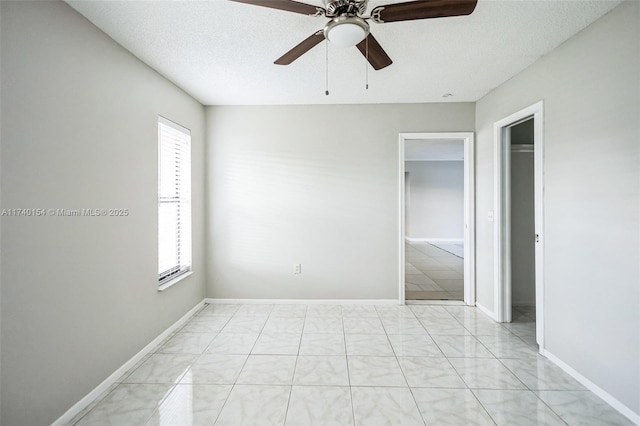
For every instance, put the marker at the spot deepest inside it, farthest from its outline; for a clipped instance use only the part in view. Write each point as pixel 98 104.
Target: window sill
pixel 174 281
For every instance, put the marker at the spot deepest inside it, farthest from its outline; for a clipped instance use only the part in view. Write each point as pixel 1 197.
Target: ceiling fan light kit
pixel 346 31
pixel 349 27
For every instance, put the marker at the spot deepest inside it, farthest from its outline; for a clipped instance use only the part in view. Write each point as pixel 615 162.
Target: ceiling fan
pixel 349 27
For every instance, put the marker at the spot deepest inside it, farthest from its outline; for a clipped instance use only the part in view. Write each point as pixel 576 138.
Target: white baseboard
pixel 95 393
pixel 486 311
pixel 303 301
pixel 435 240
pixel 436 302
pixel 604 395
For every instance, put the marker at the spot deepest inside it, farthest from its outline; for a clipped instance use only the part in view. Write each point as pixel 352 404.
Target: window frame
pixel 180 144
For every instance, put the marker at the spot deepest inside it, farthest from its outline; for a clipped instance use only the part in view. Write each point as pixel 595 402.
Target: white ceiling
pixel 222 52
pixel 434 150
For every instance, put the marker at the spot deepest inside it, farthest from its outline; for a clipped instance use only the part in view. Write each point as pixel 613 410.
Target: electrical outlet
pixel 490 216
pixel 298 269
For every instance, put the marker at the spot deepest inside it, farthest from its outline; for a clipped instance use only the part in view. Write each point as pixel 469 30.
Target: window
pixel 174 201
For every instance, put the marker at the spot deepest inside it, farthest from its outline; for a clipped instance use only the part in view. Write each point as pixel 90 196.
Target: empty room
pixel 214 212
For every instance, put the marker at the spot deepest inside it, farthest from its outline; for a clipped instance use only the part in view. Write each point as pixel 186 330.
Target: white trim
pixel 502 220
pixel 401 219
pixel 470 220
pixel 486 311
pixel 435 159
pixel 604 395
pixel 435 240
pixel 469 209
pixel 113 378
pixel 538 165
pixel 222 301
pixel 407 204
pixel 174 125
pixel 436 302
pixel 176 280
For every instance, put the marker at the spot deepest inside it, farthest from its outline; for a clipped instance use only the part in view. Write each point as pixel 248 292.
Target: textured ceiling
pixel 222 52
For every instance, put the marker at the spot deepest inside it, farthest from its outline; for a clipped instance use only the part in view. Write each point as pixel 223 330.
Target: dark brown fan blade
pixel 287 5
pixel 302 48
pixel 422 9
pixel 376 55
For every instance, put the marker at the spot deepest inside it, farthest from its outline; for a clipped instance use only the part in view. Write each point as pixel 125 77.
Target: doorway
pixel 418 255
pixel 518 228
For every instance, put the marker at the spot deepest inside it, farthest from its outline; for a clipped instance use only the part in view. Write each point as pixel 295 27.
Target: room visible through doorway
pixel 436 209
pixel 433 272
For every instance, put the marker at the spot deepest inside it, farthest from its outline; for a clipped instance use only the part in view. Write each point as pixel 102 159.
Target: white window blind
pixel 174 200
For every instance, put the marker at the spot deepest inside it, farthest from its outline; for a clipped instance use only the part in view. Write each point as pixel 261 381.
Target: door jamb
pixel 469 210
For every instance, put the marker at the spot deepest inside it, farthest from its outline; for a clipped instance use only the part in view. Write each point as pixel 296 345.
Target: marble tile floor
pixel 347 365
pixel 453 248
pixel 433 273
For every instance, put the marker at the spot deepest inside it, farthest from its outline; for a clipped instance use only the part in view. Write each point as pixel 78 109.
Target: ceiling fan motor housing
pixel 346 7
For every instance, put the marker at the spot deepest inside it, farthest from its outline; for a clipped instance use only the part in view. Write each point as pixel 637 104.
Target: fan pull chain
pixel 366 63
pixel 326 92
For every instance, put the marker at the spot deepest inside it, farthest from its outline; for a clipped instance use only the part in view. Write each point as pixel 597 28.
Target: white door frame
pixel 469 210
pixel 502 215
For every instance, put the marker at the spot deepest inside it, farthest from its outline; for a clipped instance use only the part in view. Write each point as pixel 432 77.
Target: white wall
pixel 436 199
pixel 300 184
pixel 591 180
pixel 79 294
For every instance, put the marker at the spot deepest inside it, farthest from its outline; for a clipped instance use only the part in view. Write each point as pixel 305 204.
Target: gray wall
pixel 522 134
pixel 591 179
pixel 436 199
pixel 292 184
pixel 1 206
pixel 522 230
pixel 79 294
